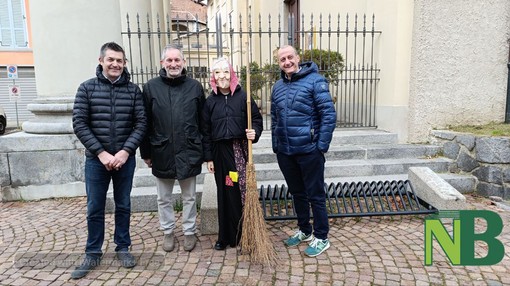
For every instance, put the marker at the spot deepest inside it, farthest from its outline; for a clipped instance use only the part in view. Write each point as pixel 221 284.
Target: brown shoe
pixel 189 242
pixel 169 242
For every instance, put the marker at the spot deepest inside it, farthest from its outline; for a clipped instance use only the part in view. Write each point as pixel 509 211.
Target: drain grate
pixel 376 198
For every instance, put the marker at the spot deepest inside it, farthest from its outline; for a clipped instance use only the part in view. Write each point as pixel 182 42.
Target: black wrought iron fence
pixel 353 87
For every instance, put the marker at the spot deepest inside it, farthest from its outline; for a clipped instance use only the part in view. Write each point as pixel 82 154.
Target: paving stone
pixel 364 251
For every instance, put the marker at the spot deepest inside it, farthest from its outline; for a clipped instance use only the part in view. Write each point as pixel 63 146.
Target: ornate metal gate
pixel 353 87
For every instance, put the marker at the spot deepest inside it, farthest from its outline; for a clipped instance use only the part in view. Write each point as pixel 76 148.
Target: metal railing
pixel 376 198
pixel 354 90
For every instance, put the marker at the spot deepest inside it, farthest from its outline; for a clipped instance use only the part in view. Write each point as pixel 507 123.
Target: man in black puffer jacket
pixel 109 120
pixel 173 144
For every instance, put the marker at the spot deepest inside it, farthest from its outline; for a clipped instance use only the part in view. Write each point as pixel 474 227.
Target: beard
pixel 173 72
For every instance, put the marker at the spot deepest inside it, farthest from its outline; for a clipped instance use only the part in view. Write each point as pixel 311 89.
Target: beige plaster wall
pixel 66 41
pixel 459 64
pixel 393 52
pixel 138 11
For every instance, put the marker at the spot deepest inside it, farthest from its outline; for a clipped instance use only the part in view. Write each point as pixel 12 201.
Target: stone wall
pixel 486 158
pixel 34 166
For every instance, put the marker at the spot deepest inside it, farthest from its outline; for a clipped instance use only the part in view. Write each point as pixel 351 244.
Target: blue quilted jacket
pixel 303 116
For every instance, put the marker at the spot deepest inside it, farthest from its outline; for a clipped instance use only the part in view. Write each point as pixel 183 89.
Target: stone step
pixel 379 151
pixel 145 198
pixel 368 167
pixel 344 136
pixel 355 155
pixel 346 144
pixel 333 168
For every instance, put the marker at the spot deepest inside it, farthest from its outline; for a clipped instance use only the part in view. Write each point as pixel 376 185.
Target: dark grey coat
pixel 174 140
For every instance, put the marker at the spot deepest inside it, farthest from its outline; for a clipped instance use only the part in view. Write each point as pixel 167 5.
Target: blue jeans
pixel 304 174
pixel 97 180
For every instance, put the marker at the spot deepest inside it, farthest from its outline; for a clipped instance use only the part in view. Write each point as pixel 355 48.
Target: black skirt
pixel 228 178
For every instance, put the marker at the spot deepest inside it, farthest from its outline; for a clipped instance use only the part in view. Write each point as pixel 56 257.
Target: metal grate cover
pixel 376 198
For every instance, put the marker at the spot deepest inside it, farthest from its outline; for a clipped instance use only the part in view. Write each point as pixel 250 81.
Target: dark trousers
pixel 304 174
pixel 97 180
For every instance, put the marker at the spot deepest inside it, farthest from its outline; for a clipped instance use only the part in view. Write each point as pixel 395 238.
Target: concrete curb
pixel 209 206
pixel 434 190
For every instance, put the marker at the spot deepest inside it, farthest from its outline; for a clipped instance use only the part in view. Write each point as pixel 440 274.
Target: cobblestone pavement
pixel 41 243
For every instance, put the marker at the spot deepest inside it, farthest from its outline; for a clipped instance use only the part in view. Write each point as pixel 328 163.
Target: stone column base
pixel 52 116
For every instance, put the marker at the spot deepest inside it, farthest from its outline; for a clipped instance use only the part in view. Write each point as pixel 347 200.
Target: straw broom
pixel 255 240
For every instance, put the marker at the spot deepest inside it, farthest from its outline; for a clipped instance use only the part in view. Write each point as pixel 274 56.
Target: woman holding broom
pixel 226 147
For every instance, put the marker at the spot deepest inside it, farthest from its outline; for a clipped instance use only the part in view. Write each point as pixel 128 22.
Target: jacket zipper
pixel 226 112
pixel 287 114
pixel 112 122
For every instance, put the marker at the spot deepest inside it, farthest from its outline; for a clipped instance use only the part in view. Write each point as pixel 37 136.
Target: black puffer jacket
pixel 225 118
pixel 109 117
pixel 173 141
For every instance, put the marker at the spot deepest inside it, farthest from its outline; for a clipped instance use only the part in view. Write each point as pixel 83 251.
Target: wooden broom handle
pixel 248 90
pixel 248 110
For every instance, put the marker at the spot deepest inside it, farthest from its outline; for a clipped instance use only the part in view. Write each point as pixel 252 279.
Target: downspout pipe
pixel 507 113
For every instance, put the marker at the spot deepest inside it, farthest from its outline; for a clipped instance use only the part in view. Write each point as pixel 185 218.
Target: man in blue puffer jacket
pixel 303 119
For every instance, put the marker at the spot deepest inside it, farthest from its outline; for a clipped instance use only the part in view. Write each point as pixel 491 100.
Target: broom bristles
pixel 255 240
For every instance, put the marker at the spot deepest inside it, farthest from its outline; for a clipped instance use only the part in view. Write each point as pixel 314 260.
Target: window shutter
pixel 5 24
pixel 12 24
pixel 18 13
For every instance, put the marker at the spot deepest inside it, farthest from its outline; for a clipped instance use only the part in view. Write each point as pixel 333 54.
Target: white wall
pixel 393 51
pixel 138 11
pixel 67 36
pixel 459 64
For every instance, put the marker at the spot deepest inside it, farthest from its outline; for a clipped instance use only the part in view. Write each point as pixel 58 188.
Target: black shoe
pixel 126 259
pixel 86 266
pixel 220 246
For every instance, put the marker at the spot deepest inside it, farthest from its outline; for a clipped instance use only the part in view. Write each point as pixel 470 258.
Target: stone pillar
pixel 47 160
pixel 66 37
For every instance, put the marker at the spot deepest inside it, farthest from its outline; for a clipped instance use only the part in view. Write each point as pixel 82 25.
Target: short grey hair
pixel 171 47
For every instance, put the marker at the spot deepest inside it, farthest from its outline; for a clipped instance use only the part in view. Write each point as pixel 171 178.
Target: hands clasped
pixel 113 162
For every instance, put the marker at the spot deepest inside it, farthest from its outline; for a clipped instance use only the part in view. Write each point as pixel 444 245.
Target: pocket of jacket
pixel 195 151
pixel 162 154
pixel 159 141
